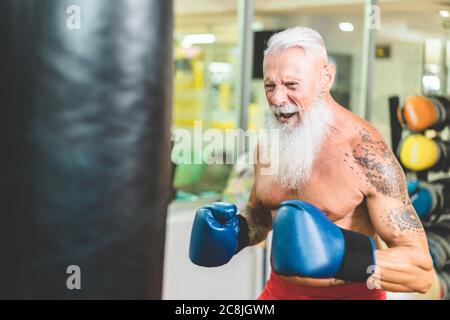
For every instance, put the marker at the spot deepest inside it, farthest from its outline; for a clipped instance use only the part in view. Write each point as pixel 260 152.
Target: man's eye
pixel 292 85
pixel 269 87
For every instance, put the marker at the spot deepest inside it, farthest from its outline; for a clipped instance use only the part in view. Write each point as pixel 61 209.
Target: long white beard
pixel 298 145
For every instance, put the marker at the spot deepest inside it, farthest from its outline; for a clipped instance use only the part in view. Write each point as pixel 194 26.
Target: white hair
pixel 300 37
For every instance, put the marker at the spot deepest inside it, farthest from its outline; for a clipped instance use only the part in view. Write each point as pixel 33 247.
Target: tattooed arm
pixel 406 265
pixel 259 219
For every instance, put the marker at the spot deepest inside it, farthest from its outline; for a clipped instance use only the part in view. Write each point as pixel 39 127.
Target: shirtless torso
pixel 334 186
pixel 356 180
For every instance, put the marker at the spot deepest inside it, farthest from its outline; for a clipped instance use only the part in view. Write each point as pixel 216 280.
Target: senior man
pixel 338 194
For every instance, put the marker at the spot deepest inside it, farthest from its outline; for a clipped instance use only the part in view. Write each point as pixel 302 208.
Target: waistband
pixel 287 290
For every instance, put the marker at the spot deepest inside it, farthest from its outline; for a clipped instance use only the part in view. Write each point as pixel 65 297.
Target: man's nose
pixel 279 96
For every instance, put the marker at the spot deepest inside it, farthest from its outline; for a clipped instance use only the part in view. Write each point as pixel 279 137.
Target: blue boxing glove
pixel 218 233
pixel 306 243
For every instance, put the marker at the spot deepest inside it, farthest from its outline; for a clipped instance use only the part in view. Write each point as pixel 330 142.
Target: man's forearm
pixel 259 222
pixel 403 269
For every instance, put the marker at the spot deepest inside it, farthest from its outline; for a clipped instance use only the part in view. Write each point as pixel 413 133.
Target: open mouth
pixel 287 115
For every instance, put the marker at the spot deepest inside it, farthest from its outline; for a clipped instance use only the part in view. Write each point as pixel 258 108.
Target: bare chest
pixel 332 187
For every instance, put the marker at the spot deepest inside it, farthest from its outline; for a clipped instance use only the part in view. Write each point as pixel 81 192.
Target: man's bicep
pixel 380 172
pixel 390 210
pixel 384 185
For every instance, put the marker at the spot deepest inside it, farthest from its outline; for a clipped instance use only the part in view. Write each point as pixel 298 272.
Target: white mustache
pixel 289 108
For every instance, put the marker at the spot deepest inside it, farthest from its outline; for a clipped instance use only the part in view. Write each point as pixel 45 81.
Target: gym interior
pixel 99 196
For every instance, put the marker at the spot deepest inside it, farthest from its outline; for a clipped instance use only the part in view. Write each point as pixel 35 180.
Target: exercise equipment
pixel 218 233
pixel 396 129
pixel 86 181
pixel 444 277
pixel 306 243
pixel 419 113
pixel 419 153
pixel 438 236
pixel 439 249
pixel 430 199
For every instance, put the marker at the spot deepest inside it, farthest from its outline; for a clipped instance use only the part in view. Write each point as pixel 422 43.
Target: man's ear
pixel 328 74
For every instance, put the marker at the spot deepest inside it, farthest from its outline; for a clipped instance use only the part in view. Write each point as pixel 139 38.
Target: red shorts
pixel 278 289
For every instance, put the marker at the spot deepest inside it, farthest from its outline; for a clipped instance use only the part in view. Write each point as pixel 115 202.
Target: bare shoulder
pixel 380 171
pixel 363 133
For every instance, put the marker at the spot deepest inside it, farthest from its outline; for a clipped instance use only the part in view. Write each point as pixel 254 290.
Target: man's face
pixel 291 78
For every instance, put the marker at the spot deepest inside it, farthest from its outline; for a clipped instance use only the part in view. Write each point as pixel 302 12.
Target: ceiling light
pixel 346 26
pixel 203 38
pixel 444 13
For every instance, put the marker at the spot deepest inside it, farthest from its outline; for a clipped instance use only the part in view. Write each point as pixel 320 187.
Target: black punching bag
pixel 85 94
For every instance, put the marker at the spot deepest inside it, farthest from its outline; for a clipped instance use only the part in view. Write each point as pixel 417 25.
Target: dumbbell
pixel 444 278
pixel 417 153
pixel 419 113
pixel 429 199
pixel 438 237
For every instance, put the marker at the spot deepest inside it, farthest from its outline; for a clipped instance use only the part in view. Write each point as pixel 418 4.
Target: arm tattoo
pixel 381 168
pixel 259 221
pixel 403 219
